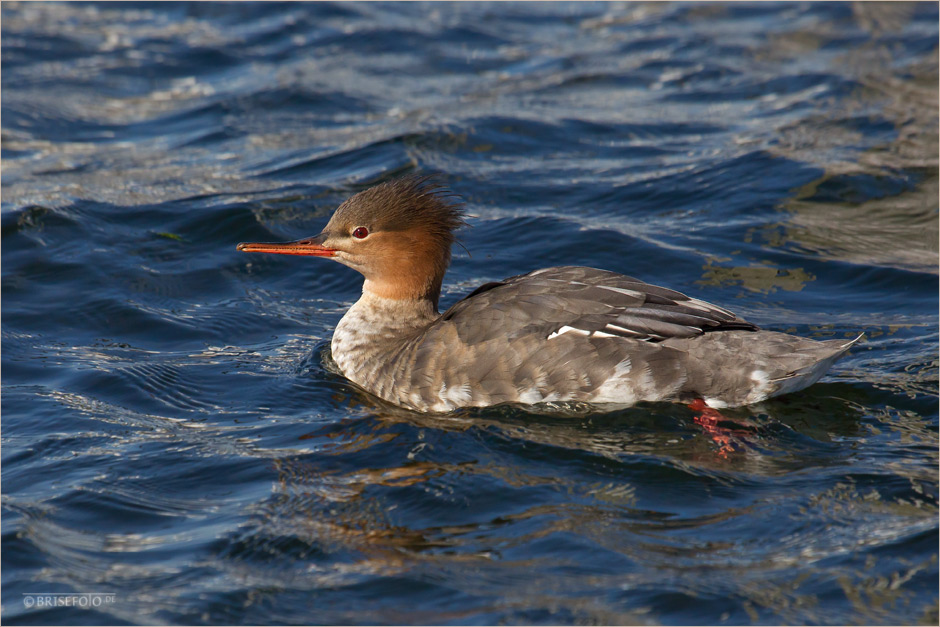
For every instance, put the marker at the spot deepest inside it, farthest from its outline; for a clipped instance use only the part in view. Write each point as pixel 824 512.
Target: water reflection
pixel 849 213
pixel 568 487
pixel 765 279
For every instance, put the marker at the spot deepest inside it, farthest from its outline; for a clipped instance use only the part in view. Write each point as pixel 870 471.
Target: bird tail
pixel 825 354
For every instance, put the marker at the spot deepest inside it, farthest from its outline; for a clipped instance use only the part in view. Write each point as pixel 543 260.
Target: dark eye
pixel 361 232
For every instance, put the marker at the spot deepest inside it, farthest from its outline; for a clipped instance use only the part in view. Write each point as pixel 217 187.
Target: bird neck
pixel 415 277
pixel 378 319
pixel 408 293
pixel 374 329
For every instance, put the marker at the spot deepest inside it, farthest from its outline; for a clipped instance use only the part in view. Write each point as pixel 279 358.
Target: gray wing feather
pixel 589 301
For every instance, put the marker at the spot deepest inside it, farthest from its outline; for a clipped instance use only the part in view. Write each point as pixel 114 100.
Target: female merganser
pixel 558 334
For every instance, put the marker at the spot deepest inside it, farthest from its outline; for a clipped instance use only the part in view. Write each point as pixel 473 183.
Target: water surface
pixel 173 433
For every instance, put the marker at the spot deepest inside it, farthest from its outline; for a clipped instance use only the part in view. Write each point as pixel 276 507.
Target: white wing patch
pixel 616 331
pixel 567 329
pixel 622 290
pixel 625 332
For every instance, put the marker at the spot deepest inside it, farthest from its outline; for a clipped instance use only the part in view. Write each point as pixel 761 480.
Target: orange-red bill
pixel 309 246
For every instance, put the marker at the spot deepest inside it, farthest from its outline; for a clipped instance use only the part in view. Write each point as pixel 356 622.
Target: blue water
pixel 173 437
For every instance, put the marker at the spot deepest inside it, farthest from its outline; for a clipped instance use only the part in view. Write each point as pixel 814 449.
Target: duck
pixel 565 334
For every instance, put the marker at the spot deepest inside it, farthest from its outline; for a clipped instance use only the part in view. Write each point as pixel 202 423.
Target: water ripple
pixel 176 432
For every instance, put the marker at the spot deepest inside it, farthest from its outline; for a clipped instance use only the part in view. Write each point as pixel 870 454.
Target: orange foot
pixel 710 420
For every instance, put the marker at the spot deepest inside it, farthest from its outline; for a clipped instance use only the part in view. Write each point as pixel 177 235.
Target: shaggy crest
pixel 411 202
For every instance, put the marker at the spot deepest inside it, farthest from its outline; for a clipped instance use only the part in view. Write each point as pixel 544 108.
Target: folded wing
pixel 588 302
